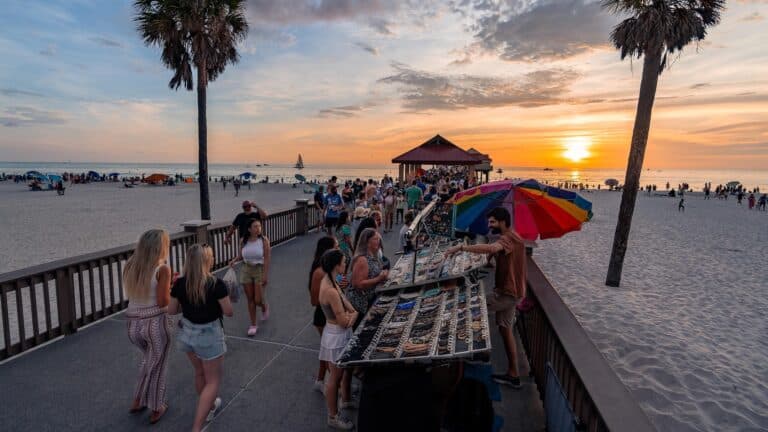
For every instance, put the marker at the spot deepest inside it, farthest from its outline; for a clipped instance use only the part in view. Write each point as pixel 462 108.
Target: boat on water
pixel 299 163
pixel 548 169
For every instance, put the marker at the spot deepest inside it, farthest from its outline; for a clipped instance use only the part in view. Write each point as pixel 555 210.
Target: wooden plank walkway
pixel 85 381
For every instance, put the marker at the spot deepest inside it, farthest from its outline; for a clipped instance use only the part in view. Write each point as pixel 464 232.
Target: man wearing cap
pixel 243 220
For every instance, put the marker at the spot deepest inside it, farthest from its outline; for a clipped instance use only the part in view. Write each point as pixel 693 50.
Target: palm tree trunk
pixel 202 142
pixel 651 65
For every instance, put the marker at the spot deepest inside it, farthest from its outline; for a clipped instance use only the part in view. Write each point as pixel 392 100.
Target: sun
pixel 576 148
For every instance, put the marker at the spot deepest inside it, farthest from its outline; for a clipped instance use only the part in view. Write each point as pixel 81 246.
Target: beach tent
pixel 733 184
pixel 247 175
pixel 93 174
pixel 300 178
pixel 156 178
pixel 114 174
pixel 611 182
pixel 33 173
pixel 53 178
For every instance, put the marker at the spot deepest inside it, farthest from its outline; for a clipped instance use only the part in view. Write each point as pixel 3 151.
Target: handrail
pixel 43 302
pixel 552 334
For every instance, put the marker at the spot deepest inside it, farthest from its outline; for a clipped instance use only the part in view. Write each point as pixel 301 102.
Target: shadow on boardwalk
pixel 85 381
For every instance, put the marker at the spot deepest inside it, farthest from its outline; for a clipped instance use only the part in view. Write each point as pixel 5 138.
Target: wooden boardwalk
pixel 85 382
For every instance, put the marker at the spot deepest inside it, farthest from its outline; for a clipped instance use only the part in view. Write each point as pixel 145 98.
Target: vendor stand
pixel 429 317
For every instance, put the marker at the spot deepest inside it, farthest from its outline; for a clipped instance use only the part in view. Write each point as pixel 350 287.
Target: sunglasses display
pixel 431 264
pixel 427 323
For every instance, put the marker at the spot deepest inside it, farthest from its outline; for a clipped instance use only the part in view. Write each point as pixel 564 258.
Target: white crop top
pixel 253 252
pixel 152 295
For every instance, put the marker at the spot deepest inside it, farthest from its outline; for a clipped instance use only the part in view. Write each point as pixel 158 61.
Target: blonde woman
pixel 367 271
pixel 255 253
pixel 202 299
pixel 147 282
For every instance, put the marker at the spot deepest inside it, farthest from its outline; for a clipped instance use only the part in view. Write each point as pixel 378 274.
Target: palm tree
pixel 654 30
pixel 194 33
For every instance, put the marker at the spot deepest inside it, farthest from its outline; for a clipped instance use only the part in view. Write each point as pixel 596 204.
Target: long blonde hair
pixel 361 248
pixel 197 271
pixel 140 268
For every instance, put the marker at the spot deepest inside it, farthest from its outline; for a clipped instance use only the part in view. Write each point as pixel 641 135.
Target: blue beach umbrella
pixel 248 175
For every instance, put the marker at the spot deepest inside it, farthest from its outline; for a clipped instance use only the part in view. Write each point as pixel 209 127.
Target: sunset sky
pixel 532 83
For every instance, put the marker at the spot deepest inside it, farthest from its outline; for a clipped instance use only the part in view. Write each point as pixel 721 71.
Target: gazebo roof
pixel 485 161
pixel 438 151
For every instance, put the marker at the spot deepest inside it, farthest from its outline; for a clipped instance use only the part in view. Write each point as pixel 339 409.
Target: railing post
pixel 301 216
pixel 200 228
pixel 65 301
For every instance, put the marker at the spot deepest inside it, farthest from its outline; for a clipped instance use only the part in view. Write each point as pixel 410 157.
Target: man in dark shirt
pixel 509 252
pixel 243 220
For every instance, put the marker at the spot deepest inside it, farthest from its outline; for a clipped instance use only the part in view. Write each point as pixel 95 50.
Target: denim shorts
pixel 204 340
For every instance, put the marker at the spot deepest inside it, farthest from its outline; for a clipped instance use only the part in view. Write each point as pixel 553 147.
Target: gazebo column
pixel 401 173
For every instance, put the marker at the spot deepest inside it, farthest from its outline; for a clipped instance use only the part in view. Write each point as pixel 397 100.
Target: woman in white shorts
pixel 340 315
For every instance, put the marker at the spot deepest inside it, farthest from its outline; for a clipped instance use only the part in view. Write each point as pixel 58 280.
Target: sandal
pixel 157 415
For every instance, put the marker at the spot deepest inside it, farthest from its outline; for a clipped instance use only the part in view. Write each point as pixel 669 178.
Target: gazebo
pixel 435 151
pixel 484 167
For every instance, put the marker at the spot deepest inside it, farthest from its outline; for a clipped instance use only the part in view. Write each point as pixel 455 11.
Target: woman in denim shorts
pixel 203 300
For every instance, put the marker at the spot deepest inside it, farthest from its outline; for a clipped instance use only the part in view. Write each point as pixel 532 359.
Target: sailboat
pixel 299 163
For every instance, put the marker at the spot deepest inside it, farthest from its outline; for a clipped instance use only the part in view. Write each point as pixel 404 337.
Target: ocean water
pixel 695 178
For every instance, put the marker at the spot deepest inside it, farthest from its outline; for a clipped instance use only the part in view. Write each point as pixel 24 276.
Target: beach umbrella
pixel 114 174
pixel 300 178
pixel 33 173
pixel 538 210
pixel 733 184
pixel 93 174
pixel 247 175
pixel 155 178
pixel 53 178
pixel 612 182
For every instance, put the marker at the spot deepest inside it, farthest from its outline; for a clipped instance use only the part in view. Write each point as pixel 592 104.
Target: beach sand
pixel 39 227
pixel 687 329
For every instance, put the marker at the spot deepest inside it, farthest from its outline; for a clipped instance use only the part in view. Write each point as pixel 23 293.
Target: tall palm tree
pixel 654 30
pixel 194 33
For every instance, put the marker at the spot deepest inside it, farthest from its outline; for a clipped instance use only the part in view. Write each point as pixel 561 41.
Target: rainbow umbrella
pixel 538 211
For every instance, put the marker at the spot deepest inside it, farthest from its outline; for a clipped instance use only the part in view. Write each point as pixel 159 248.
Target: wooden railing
pixel 551 334
pixel 41 303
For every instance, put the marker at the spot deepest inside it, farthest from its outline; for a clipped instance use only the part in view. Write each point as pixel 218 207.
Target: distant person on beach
pixel 236 184
pixel 751 201
pixel 255 253
pixel 739 197
pixel 224 183
pixel 147 282
pixel 762 201
pixel 242 222
pixel 509 254
pixel 316 275
pixel 340 316
pixel 681 205
pixel 203 300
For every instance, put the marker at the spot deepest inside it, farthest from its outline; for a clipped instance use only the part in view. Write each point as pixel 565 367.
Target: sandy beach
pixel 686 331
pixel 39 227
